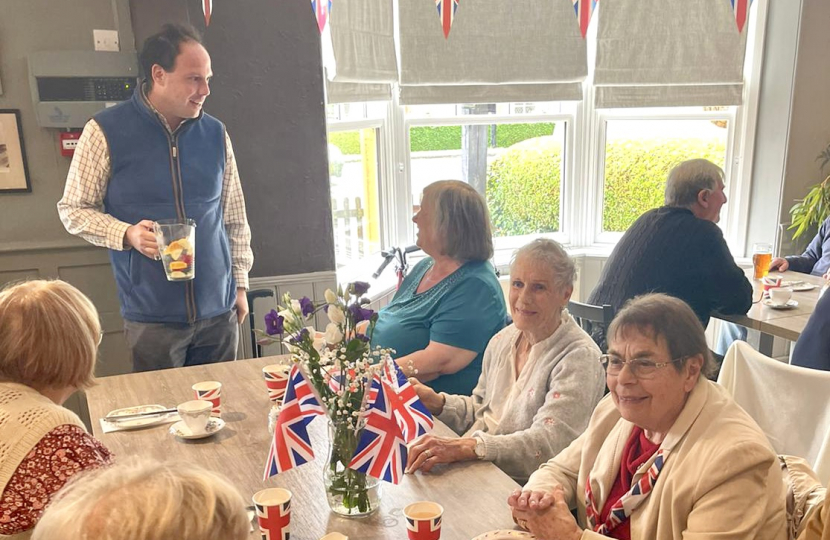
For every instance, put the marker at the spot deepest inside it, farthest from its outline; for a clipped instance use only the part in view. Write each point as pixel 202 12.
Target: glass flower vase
pixel 350 493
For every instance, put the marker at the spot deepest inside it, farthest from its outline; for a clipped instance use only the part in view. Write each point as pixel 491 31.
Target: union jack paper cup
pixel 273 513
pixel 423 520
pixel 210 391
pixel 276 379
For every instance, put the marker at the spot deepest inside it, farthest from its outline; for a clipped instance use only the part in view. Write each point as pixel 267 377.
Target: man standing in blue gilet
pixel 159 156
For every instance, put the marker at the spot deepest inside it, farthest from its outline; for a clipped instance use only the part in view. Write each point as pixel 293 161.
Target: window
pixel 354 150
pixel 514 154
pixel 639 149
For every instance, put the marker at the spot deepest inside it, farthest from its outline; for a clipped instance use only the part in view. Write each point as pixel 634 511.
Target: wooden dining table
pixel 784 323
pixel 473 493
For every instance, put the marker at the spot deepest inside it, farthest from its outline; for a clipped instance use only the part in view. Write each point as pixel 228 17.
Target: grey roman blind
pixel 520 50
pixel 363 61
pixel 653 53
pixel 347 92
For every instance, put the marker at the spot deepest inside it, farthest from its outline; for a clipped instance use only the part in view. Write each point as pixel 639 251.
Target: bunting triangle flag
pixel 322 9
pixel 207 8
pixel 446 14
pixel 584 10
pixel 741 9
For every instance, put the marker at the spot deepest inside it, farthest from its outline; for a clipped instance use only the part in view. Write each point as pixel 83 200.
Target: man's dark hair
pixel 163 48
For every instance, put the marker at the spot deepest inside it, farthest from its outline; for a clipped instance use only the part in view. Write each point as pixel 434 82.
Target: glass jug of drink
pixel 177 247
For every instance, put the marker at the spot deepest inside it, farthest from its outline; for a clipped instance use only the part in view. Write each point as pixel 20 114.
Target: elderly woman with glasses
pixel 49 335
pixel 541 377
pixel 667 455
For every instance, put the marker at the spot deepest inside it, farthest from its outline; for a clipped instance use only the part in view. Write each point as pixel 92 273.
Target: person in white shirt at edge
pixel 668 455
pixel 159 156
pixel 540 380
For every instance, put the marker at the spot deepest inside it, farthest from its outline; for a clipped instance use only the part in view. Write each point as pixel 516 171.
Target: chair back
pixel 256 349
pixel 791 404
pixel 593 319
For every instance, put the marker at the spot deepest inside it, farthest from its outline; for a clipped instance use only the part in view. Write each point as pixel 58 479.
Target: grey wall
pixel 268 89
pixel 794 116
pixel 41 25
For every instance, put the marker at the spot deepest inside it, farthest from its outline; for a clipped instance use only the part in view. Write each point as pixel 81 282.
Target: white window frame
pixel 567 119
pixel 584 154
pixel 664 113
pixel 361 270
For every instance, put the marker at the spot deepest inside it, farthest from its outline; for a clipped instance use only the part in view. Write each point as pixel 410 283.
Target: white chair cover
pixel 790 403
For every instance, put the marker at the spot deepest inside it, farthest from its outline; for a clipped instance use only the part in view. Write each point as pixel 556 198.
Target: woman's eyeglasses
pixel 642 368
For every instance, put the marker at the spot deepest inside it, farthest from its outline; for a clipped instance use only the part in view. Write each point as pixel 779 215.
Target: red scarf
pixel 637 450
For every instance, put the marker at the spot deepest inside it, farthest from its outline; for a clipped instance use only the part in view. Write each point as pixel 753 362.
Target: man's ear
pixel 157 73
pixel 703 198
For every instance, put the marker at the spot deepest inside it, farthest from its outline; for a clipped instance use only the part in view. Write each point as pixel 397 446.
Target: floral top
pixel 60 454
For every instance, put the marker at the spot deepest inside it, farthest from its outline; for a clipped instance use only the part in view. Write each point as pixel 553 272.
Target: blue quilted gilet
pixel 157 175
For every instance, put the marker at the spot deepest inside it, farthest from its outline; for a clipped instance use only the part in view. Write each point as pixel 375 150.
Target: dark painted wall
pixel 268 89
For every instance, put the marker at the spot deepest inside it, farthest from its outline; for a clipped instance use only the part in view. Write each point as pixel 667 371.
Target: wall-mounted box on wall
pixel 69 87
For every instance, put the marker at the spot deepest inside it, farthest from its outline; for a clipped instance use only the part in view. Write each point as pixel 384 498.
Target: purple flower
pixel 362 337
pixel 273 323
pixel 299 337
pixel 359 288
pixel 360 314
pixel 306 306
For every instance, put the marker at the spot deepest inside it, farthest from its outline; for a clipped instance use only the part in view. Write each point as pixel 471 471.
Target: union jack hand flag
pixel 322 9
pixel 381 451
pixel 207 8
pixel 741 9
pixel 584 10
pixel 446 13
pixel 291 445
pixel 412 416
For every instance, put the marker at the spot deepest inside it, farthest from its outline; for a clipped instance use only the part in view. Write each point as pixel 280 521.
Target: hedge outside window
pixel 517 166
pixel 640 153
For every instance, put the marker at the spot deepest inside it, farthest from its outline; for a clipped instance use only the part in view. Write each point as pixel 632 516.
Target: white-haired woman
pixel 146 500
pixel 540 381
pixel 49 334
pixel 450 304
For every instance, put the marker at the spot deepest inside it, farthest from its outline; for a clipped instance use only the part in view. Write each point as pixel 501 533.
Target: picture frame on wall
pixel 14 171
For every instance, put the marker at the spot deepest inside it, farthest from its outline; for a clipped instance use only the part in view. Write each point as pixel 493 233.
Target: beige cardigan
pixel 818 526
pixel 721 479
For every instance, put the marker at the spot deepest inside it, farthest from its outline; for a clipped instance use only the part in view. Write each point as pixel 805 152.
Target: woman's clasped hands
pixel 545 514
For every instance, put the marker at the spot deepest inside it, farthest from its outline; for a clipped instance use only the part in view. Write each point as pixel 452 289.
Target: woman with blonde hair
pixel 49 335
pixel 146 500
pixel 451 303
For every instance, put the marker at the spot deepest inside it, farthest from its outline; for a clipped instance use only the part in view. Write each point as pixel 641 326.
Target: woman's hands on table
pixel 430 450
pixel 545 514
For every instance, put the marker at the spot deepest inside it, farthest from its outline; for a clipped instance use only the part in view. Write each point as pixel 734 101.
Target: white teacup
pixel 780 295
pixel 195 414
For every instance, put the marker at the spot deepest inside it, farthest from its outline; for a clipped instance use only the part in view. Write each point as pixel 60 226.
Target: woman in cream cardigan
pixel 667 455
pixel 540 381
pixel 49 334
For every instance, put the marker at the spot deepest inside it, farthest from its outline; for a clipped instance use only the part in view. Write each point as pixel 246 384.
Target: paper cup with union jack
pixel 210 391
pixel 423 520
pixel 276 379
pixel 273 513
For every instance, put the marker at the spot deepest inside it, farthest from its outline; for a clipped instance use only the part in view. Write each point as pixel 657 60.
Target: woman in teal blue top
pixel 451 304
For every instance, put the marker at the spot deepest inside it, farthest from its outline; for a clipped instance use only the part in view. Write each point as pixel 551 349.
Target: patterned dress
pixel 61 454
